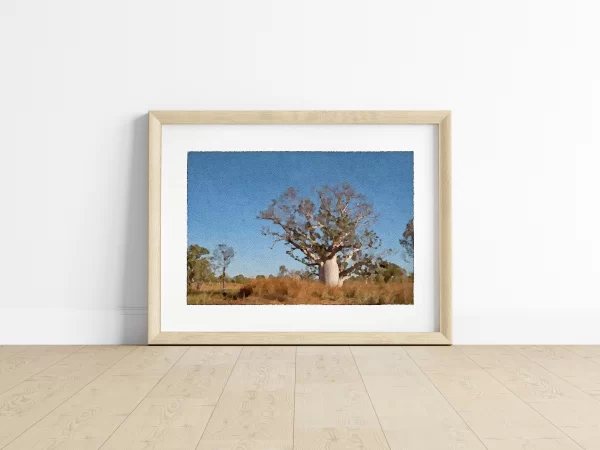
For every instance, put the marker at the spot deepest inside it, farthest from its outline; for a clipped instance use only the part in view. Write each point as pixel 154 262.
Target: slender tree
pixel 334 235
pixel 221 258
pixel 283 271
pixel 408 241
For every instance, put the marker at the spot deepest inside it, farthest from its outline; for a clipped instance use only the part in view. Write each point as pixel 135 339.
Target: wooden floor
pixel 330 398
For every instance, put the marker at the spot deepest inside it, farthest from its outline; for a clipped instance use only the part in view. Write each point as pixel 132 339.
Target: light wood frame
pixel 156 119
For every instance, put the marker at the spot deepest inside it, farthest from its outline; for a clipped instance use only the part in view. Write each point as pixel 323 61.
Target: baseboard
pixel 125 325
pixel 128 325
pixel 526 326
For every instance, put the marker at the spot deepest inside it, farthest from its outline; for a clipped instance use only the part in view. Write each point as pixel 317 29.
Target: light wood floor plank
pixel 8 350
pixel 176 411
pixel 590 352
pixel 317 398
pixel 499 418
pixel 90 416
pixel 412 412
pixel 333 409
pixel 576 413
pixel 19 366
pixel 255 410
pixel 578 371
pixel 28 402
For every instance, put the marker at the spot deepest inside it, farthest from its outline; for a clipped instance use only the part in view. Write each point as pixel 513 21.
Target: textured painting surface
pixel 289 228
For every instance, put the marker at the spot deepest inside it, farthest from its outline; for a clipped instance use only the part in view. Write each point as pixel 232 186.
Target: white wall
pixel 77 78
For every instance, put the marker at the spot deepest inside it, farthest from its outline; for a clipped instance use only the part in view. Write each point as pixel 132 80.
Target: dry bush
pixel 300 292
pixel 217 286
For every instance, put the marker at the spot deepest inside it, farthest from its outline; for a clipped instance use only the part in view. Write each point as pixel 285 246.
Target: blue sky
pixel 227 190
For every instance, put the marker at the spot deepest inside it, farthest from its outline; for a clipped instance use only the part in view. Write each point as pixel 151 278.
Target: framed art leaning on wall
pixel 299 227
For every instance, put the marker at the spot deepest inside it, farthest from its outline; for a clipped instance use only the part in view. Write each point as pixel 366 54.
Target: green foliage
pixel 389 272
pixel 385 272
pixel 241 279
pixel 198 267
pixel 260 277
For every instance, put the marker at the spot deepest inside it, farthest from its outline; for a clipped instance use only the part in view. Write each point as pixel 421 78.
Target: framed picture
pixel 299 227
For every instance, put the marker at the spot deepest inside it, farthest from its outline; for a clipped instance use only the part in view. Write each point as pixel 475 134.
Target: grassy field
pixel 287 291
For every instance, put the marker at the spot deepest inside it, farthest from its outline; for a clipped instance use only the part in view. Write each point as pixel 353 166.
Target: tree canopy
pixel 198 266
pixel 332 232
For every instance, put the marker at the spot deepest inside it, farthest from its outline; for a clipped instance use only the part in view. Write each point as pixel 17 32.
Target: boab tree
pixel 221 258
pixel 334 238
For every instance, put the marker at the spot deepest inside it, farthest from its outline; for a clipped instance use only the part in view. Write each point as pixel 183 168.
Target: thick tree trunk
pixel 329 272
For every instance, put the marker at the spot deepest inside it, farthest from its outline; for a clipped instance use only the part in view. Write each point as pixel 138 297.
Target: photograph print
pixel 300 228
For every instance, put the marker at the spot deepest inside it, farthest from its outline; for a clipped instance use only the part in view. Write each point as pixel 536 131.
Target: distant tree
pixel 304 274
pixel 283 271
pixel 334 237
pixel 221 258
pixel 260 277
pixel 198 266
pixel 307 274
pixel 408 241
pixel 293 274
pixel 390 272
pixel 241 279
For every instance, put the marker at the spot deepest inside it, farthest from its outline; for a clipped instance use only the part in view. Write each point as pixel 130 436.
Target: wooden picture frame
pixel 156 119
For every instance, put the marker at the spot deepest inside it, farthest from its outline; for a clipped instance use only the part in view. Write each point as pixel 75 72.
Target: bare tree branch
pixel 339 228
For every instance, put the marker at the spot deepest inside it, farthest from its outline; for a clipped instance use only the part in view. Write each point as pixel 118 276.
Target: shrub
pixel 294 291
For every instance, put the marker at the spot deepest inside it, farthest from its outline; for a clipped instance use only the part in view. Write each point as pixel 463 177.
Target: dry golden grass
pixel 287 291
pixel 212 287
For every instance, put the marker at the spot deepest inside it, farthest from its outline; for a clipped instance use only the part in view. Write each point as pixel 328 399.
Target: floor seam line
pixel 45 368
pixel 220 395
pixel 553 373
pixel 447 401
pixel 69 398
pixel 16 353
pixel 295 381
pixel 143 398
pixel 369 397
pixel 566 347
pixel 517 396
